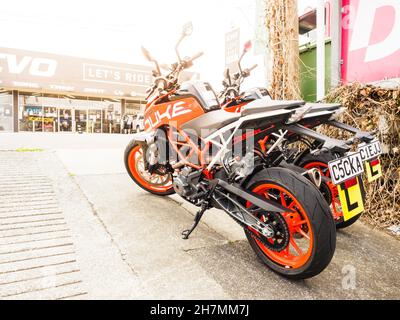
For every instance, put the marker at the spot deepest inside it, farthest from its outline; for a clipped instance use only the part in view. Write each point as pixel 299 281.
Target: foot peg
pixel 197 218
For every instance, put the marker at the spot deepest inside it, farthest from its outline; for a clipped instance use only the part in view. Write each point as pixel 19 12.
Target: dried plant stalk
pixel 283 46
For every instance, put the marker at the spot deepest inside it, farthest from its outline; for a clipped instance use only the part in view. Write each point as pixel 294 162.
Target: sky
pixel 114 30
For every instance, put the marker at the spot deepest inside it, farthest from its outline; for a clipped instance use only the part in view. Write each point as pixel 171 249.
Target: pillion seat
pixel 265 104
pixel 316 107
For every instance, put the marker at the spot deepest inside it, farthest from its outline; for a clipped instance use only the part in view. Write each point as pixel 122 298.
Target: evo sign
pixel 55 73
pixel 40 67
pixel 370 40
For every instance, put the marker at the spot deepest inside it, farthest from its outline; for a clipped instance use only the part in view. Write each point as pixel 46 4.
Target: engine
pixel 181 184
pixel 188 185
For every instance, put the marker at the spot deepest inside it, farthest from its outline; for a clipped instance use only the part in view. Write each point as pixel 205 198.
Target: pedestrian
pixel 129 123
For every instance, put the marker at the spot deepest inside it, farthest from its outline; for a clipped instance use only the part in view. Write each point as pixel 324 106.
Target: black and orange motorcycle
pixel 209 156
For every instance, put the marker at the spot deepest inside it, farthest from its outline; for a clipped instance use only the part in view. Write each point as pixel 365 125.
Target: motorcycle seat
pixel 265 104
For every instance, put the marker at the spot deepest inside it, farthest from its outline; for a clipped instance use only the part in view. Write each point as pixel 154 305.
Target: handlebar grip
pixel 253 67
pixel 161 85
pixel 198 55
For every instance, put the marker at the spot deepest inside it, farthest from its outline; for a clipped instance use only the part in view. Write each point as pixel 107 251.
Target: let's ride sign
pixel 346 175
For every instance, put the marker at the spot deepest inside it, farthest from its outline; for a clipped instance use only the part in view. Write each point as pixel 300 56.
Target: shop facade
pixel 42 92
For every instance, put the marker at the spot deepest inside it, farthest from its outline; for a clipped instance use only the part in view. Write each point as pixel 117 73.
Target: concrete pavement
pixel 126 243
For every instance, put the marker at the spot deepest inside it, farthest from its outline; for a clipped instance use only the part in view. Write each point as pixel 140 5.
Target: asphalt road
pixel 126 243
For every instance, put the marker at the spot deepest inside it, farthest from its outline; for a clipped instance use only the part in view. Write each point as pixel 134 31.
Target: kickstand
pixel 199 214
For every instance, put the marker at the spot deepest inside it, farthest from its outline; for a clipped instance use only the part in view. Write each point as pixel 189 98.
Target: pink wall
pixel 370 40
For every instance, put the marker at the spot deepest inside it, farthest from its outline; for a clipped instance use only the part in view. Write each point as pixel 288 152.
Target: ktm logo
pixel 172 111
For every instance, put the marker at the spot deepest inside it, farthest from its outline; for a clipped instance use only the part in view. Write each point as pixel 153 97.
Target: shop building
pixel 42 92
pixel 361 44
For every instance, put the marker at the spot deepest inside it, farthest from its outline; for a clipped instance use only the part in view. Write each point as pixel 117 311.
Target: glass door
pixel 6 112
pixel 95 121
pixel 33 118
pixel 65 116
pixel 80 120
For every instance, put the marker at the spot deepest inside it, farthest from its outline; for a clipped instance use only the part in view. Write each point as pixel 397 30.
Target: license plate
pixel 345 168
pixel 370 151
pixel 374 169
pixel 351 197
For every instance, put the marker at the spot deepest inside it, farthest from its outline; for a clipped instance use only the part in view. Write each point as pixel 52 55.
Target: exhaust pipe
pixel 315 176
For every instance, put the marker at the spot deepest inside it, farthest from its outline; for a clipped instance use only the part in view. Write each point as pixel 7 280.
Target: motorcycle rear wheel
pixel 311 227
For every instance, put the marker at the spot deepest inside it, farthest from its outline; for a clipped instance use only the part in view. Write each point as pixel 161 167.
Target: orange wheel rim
pixel 301 240
pixel 153 182
pixel 324 170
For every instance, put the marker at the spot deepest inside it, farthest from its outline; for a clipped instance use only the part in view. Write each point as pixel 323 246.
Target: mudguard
pixel 144 137
pixel 157 137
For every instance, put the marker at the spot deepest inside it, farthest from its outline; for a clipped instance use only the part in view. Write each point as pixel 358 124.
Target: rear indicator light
pixel 374 162
pixel 350 183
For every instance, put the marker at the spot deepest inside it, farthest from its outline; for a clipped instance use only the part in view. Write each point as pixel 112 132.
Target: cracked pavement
pixel 127 244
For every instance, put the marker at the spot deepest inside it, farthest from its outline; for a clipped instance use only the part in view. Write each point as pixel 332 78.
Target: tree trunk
pixel 282 25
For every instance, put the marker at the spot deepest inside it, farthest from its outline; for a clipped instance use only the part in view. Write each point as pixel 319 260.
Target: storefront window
pixel 133 108
pixel 6 112
pixel 50 119
pixel 65 119
pixel 31 113
pixel 67 113
pixel 95 119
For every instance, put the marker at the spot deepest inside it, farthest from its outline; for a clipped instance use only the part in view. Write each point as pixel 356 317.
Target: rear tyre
pixel 310 228
pixel 160 185
pixel 329 190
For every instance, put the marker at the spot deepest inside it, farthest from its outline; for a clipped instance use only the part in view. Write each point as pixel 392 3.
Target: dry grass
pixel 375 109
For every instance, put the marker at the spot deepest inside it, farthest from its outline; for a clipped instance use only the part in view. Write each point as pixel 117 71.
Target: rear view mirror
pixel 247 46
pixel 226 73
pixel 147 55
pixel 227 76
pixel 187 29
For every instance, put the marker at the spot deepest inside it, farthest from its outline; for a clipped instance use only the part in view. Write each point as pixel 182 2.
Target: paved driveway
pixel 125 243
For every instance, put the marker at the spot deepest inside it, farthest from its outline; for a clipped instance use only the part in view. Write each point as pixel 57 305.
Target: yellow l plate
pixel 373 169
pixel 351 199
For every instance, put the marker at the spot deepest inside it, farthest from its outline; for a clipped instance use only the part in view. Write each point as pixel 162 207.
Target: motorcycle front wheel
pixel 154 183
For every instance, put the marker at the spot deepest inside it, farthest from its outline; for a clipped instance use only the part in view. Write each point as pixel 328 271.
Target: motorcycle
pixel 298 145
pixel 205 154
